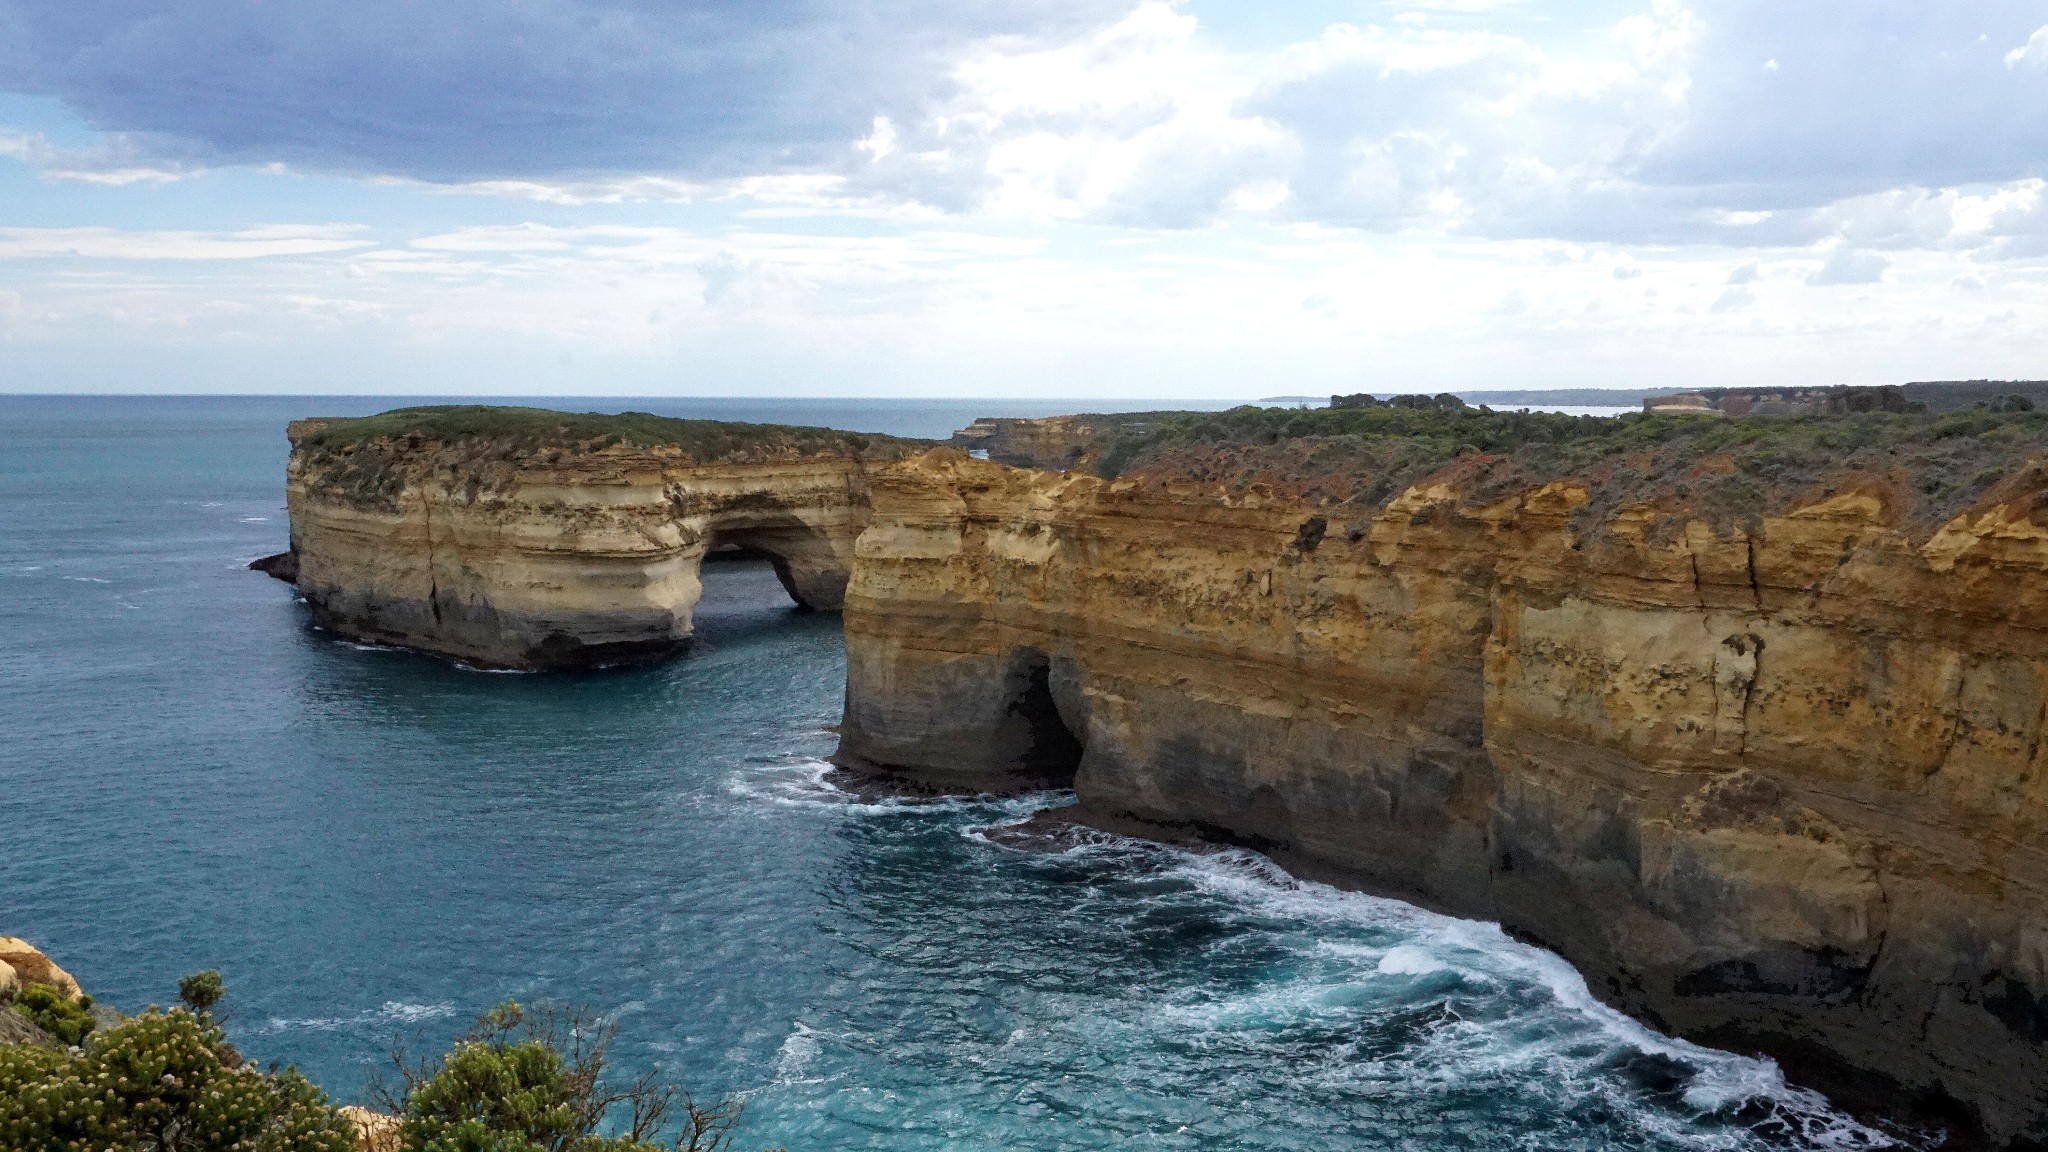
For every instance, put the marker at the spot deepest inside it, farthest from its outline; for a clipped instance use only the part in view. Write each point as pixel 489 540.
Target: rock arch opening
pixel 1035 738
pixel 807 564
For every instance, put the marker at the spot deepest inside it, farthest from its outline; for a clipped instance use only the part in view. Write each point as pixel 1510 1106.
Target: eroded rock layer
pixel 1776 784
pixel 516 550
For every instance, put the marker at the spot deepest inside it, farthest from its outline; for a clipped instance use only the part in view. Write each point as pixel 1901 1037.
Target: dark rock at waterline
pixel 284 566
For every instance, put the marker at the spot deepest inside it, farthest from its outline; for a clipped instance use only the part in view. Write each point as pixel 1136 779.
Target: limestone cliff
pixel 1772 776
pixel 1058 443
pixel 525 539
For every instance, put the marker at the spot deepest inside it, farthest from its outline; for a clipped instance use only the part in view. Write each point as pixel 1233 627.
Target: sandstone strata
pixel 1779 785
pixel 550 552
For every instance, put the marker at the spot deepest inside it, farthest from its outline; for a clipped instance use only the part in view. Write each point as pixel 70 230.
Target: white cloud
pixel 115 160
pixel 1850 266
pixel 1491 193
pixel 113 244
pixel 2034 51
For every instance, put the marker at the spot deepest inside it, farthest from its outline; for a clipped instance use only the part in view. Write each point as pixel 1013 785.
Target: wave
pixel 1564 1037
pixel 799 1049
pixel 390 1012
pixel 1463 1005
pixel 806 782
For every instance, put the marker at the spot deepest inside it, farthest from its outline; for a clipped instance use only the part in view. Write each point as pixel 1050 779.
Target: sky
pixel 1053 198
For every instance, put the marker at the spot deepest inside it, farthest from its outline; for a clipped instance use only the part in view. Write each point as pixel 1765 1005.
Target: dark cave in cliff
pixel 1033 737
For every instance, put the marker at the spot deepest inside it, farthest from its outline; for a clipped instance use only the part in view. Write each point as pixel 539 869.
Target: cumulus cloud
pixel 1872 125
pixel 479 89
pixel 2034 51
pixel 1661 126
pixel 1850 266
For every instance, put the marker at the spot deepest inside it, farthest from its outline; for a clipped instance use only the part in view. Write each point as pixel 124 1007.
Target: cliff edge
pixel 524 538
pixel 1744 718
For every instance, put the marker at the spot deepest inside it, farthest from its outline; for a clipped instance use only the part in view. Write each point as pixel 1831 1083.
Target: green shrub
pixel 533 1080
pixel 521 1080
pixel 516 430
pixel 201 991
pixel 159 1081
pixel 55 1012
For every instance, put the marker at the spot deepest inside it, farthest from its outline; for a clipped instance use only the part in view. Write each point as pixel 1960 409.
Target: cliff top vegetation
pixel 518 430
pixel 1929 466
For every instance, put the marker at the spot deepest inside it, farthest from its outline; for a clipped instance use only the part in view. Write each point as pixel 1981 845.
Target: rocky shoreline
pixel 1743 719
pixel 1775 785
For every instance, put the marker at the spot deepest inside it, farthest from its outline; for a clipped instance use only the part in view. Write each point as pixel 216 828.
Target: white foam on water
pixel 88 580
pixel 1482 1008
pixel 807 783
pixel 1409 960
pixel 253 520
pixel 1719 1083
pixel 390 1012
pixel 795 1055
pixel 1566 1045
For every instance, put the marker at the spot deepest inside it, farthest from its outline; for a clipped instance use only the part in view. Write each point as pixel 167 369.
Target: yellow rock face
pixel 1782 789
pixel 554 558
pixel 375 1131
pixel 23 963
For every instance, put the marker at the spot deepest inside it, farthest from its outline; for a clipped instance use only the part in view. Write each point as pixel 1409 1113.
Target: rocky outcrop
pixel 23 963
pixel 513 541
pixel 374 1131
pixel 1057 443
pixel 1775 783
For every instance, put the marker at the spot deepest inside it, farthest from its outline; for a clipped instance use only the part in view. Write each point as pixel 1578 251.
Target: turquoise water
pixel 370 843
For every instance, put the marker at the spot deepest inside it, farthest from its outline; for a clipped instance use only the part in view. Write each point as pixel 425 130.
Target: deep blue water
pixel 369 842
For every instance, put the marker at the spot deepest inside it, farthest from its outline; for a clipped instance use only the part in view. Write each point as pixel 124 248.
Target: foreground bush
pixel 520 1080
pixel 159 1081
pixel 533 1080
pixel 66 1020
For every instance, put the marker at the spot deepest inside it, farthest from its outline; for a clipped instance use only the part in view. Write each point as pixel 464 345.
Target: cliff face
pixel 1059 443
pixel 1778 786
pixel 537 554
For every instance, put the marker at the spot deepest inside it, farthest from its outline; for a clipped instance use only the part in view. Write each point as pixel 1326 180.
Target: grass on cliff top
pixel 529 428
pixel 1728 468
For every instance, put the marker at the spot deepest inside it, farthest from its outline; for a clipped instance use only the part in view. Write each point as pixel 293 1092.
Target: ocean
pixel 373 844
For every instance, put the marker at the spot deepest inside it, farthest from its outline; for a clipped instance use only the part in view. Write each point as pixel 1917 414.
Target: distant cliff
pixel 1059 443
pixel 522 538
pixel 1743 718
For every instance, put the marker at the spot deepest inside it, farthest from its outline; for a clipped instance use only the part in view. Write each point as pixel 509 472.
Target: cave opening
pixel 1034 740
pixel 801 557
